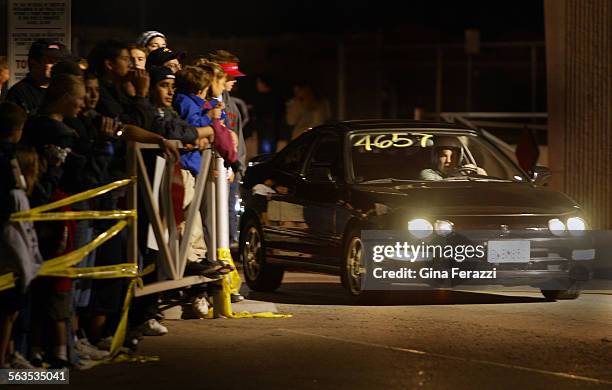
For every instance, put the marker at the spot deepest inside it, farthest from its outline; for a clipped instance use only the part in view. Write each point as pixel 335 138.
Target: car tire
pixel 259 275
pixel 352 263
pixel 572 292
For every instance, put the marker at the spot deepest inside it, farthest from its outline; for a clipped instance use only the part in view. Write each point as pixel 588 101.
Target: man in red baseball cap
pixel 231 69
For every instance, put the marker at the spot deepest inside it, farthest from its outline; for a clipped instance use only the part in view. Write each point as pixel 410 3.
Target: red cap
pixel 231 69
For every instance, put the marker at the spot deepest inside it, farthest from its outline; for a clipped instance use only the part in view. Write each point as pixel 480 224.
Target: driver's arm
pixel 430 174
pixel 479 171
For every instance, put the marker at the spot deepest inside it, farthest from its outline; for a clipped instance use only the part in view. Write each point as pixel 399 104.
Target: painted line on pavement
pixel 443 356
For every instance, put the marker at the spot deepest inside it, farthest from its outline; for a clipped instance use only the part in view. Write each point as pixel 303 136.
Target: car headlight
pixel 556 227
pixel 576 226
pixel 420 228
pixel 443 228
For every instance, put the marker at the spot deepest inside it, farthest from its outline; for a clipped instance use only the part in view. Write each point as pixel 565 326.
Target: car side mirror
pixel 540 175
pixel 320 175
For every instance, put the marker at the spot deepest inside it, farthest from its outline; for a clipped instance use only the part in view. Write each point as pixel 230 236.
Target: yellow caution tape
pixel 63 265
pixel 231 285
pixel 121 330
pixel 226 310
pixel 263 314
pixel 148 269
pixel 74 257
pixel 74 198
pixel 74 215
pixel 224 254
pixel 126 270
pixel 234 277
pixel 7 281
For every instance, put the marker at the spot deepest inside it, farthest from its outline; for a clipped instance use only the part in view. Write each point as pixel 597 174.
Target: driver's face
pixel 446 160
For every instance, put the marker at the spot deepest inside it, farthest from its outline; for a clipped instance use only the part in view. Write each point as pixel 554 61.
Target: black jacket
pixel 27 95
pixel 130 110
pixel 40 131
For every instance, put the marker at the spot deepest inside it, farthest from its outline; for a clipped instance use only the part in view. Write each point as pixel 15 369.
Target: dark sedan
pixel 306 207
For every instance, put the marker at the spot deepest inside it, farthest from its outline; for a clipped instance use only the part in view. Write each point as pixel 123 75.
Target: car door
pixel 283 220
pixel 320 192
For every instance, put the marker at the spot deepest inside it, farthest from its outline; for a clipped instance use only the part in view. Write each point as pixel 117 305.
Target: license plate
pixel 508 251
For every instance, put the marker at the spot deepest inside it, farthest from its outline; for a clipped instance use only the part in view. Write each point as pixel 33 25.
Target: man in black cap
pixel 165 57
pixel 30 92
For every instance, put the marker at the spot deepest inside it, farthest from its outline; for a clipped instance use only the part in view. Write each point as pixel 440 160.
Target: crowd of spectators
pixel 63 130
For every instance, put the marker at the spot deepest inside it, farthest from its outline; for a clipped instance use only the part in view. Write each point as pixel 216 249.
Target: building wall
pixel 579 71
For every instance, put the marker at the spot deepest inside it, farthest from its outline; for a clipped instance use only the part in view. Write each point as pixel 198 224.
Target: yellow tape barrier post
pixel 229 284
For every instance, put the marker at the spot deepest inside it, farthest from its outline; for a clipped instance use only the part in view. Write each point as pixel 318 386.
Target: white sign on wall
pixel 29 20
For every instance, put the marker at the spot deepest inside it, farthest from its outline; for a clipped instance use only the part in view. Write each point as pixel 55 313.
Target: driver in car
pixel 445 159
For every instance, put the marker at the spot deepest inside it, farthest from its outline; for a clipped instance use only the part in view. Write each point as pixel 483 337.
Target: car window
pixel 327 153
pixel 427 156
pixel 292 158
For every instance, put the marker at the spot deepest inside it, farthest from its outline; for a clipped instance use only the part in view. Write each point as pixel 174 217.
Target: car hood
pixel 467 198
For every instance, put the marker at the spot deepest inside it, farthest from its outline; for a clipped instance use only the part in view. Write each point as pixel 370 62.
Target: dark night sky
pixel 444 20
pixel 280 32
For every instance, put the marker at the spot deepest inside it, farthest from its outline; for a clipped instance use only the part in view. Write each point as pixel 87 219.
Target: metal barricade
pixel 172 246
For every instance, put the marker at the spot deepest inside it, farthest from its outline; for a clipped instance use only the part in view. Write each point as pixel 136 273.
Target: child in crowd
pixel 94 141
pixel 193 85
pixel 19 252
pixel 152 40
pixel 54 140
pixel 226 141
pixel 138 55
pixel 227 146
pixel 170 125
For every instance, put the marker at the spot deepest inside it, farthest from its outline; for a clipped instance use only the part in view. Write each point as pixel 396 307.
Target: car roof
pixel 375 124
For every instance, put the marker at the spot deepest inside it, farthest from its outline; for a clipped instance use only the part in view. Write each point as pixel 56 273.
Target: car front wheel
pixel 258 275
pixel 353 263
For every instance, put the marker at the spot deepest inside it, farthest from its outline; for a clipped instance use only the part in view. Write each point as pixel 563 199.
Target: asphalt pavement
pixel 441 339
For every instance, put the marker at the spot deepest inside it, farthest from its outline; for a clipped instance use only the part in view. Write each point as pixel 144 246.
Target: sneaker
pixel 196 310
pixel 17 361
pixel 85 349
pixel 236 298
pixel 200 306
pixel 153 328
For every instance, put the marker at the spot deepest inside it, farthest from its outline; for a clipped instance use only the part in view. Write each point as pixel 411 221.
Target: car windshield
pixel 403 155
